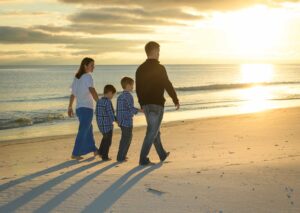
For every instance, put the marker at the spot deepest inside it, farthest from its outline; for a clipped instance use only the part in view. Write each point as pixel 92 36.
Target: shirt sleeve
pixel 110 111
pixel 138 88
pixel 89 81
pixel 130 103
pixel 169 87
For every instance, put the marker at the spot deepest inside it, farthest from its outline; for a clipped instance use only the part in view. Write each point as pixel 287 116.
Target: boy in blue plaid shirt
pixel 105 116
pixel 125 113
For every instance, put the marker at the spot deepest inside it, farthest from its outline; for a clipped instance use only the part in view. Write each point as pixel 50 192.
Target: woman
pixel 84 92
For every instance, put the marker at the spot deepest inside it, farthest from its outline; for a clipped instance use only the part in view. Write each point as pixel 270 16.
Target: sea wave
pixel 35 99
pixel 232 86
pixel 179 89
pixel 16 122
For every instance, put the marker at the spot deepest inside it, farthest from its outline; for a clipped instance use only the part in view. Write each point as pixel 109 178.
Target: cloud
pixel 202 5
pixel 94 46
pixel 77 45
pixel 19 35
pixel 132 16
pixel 23 13
pixel 116 20
pixel 14 52
pixel 94 29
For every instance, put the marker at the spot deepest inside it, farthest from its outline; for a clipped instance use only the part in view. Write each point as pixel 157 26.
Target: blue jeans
pixel 125 142
pixel 154 115
pixel 84 142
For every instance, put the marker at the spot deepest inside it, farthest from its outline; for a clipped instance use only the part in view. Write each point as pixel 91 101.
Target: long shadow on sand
pixel 35 192
pixel 118 188
pixel 40 173
pixel 58 199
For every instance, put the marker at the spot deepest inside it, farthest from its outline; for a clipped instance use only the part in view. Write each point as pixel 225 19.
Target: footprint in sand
pixel 155 191
pixel 289 194
pixel 222 174
pixel 5 178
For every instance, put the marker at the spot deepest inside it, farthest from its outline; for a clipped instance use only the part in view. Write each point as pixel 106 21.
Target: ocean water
pixel 34 99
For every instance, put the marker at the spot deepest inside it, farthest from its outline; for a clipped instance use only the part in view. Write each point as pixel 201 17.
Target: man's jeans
pixel 154 115
pixel 124 143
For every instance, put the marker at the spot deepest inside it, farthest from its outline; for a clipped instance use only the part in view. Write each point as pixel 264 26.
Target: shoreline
pixel 138 128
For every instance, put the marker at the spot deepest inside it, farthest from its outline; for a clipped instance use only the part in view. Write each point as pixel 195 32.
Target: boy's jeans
pixel 124 143
pixel 105 144
pixel 154 115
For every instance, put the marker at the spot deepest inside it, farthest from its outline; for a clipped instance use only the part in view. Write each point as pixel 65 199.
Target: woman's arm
pixel 94 93
pixel 70 108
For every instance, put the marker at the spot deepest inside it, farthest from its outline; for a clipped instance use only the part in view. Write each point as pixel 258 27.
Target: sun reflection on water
pixel 256 97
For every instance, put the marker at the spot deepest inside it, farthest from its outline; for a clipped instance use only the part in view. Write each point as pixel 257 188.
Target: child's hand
pixel 141 110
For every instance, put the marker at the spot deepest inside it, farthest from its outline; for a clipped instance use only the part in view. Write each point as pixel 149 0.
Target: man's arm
pixel 170 89
pixel 138 87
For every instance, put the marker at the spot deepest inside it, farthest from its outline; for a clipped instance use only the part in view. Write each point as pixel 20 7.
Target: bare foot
pixel 76 157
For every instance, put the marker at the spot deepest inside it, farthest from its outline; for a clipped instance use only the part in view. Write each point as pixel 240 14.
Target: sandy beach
pixel 244 163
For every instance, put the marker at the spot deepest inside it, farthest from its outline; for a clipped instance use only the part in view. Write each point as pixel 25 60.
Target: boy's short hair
pixel 125 81
pixel 109 88
pixel 150 46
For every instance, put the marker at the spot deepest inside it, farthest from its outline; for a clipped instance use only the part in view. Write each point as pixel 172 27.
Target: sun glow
pixel 254 32
pixel 256 97
pixel 256 73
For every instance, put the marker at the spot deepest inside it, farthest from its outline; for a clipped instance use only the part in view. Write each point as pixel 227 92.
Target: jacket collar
pixel 152 60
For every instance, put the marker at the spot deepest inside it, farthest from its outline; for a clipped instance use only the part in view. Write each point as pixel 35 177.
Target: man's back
pixel 151 82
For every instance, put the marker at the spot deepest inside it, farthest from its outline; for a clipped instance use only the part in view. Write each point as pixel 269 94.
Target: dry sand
pixel 245 163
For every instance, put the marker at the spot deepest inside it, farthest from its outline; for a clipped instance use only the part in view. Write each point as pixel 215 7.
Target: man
pixel 151 82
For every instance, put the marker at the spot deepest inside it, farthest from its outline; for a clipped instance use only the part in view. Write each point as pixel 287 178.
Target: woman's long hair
pixel 85 62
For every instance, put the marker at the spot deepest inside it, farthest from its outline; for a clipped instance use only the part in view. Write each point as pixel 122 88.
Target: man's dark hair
pixel 150 46
pixel 109 88
pixel 125 81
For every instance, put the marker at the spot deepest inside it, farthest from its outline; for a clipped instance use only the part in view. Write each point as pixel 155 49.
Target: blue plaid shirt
pixel 125 109
pixel 105 115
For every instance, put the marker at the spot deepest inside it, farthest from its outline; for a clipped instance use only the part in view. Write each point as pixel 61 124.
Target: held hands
pixel 70 112
pixel 141 110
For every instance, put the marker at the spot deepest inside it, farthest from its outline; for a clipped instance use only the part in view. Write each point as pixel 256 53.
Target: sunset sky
pixel 115 31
